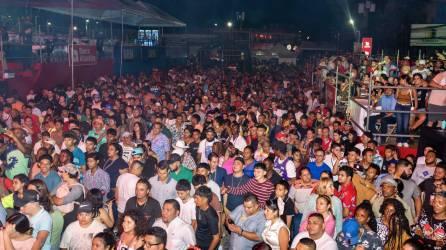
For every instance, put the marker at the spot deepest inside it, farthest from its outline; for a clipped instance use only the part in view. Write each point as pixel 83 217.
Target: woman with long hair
pixel 104 214
pixel 393 226
pixel 367 232
pixel 131 224
pixel 323 206
pixel 17 233
pixel 276 233
pixel 325 187
pixel 138 133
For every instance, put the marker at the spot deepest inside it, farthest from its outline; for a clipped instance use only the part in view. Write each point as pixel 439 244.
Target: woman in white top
pixel 276 233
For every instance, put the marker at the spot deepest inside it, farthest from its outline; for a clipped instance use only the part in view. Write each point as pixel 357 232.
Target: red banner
pixel 330 92
pixel 83 55
pixel 366 46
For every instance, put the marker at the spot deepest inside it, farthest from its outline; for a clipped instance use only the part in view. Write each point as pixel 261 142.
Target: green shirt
pixel 184 173
pixel 56 229
pixel 17 164
pixel 8 201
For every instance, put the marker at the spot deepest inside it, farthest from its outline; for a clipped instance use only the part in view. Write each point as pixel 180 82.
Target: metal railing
pixel 370 109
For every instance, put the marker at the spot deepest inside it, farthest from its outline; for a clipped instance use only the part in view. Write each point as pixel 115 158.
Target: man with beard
pixel 205 146
pixel 426 170
pixel 411 192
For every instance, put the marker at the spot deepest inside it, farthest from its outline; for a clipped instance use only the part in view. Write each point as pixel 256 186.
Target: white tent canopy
pixel 115 11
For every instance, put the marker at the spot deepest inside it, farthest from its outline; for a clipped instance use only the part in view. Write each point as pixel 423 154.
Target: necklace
pixel 108 163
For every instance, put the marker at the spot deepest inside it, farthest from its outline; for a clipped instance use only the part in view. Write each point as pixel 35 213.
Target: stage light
pixel 75 28
pixel 229 24
pixel 351 21
pixel 215 24
pixel 308 37
pixel 49 23
pixel 289 47
pixel 87 21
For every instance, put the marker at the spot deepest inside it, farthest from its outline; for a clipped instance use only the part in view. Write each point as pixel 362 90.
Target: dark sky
pixel 321 19
pixel 309 15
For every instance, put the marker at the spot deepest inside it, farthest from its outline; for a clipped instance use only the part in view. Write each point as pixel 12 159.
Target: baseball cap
pixel 137 151
pixel 85 207
pixel 69 168
pixel 28 196
pixel 174 158
pixel 389 180
pixel 350 229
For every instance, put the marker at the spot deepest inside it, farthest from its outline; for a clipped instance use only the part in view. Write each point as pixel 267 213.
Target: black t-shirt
pixel 288 209
pixel 207 227
pixel 112 168
pixel 151 210
pixel 275 178
pixel 149 168
pixel 193 147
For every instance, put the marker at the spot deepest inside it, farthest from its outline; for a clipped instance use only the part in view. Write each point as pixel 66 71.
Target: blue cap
pixel 350 229
pixel 137 151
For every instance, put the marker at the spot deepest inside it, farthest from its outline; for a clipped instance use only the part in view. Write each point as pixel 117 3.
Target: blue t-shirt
pixel 218 176
pixel 42 222
pixel 51 181
pixel 78 157
pixel 317 170
pixel 248 170
pixel 231 181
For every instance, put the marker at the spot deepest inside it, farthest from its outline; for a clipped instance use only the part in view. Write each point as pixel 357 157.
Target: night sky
pixel 321 19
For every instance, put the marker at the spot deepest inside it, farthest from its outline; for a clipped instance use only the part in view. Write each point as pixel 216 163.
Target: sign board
pixel 83 55
pixel 424 35
pixel 366 46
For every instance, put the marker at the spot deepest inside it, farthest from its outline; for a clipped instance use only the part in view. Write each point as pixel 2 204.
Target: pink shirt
pixel 329 225
pixel 228 165
pixel 18 245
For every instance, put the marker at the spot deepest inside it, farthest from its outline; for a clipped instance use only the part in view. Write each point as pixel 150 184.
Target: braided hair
pixel 367 207
pixel 398 224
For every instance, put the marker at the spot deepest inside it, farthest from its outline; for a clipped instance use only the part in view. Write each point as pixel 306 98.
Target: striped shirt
pixel 263 190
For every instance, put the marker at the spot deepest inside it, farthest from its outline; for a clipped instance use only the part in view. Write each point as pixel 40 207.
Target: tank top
pixel 271 233
pixel 404 96
pixel 281 167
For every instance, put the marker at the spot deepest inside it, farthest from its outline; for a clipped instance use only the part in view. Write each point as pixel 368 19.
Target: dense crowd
pixel 211 159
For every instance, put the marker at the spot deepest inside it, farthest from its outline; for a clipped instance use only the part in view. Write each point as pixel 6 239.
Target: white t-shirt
pixel 126 185
pixel 214 188
pixel 76 237
pixel 187 210
pixel 205 148
pixel 323 243
pixel 239 143
pixel 421 173
pixel 126 152
pixel 179 234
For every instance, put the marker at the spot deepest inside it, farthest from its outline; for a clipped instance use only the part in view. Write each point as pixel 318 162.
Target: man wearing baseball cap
pixel 39 219
pixel 80 233
pixel 389 189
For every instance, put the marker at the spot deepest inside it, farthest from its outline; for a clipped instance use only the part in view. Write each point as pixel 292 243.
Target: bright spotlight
pixel 87 21
pixel 75 28
pixel 49 23
pixel 229 24
pixel 351 21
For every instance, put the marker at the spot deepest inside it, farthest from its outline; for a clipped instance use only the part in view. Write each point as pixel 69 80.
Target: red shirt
pixel 347 195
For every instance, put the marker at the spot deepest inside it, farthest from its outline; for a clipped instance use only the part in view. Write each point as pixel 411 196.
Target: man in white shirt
pixel 80 233
pixel 180 235
pixel 205 146
pixel 126 184
pixel 316 232
pixel 425 170
pixel 333 159
pixel 163 186
pixel 236 139
pixel 187 203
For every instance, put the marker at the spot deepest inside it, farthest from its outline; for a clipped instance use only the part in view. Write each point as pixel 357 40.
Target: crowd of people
pixel 210 159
